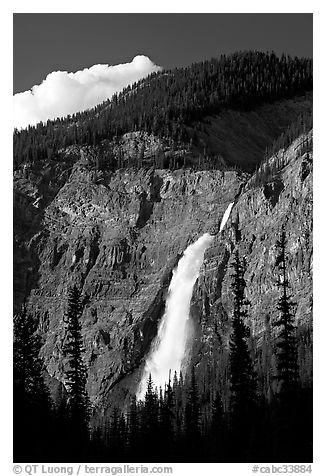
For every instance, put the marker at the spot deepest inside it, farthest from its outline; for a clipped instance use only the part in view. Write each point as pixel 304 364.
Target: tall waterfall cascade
pixel 168 348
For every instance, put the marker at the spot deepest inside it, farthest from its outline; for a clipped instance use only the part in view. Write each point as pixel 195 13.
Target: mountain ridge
pixel 174 106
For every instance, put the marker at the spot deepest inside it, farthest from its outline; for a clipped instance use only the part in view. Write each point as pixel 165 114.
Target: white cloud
pixel 63 93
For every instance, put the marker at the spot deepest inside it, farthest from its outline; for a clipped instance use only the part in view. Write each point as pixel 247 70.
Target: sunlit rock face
pixel 254 227
pixel 118 239
pixel 119 236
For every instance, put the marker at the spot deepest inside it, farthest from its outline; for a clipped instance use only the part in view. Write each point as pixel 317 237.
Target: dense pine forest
pixel 274 159
pixel 171 104
pixel 253 416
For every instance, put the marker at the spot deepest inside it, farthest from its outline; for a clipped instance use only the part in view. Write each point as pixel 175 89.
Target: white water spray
pixel 226 216
pixel 169 346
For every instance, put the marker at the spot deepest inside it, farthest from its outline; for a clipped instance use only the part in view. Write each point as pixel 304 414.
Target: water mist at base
pixel 169 346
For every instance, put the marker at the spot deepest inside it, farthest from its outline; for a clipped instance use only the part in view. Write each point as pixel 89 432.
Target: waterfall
pixel 169 346
pixel 226 216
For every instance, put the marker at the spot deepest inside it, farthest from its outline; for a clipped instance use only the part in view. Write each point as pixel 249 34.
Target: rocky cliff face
pixel 255 224
pixel 119 235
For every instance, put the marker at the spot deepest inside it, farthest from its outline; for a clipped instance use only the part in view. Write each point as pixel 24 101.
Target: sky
pixel 65 63
pixel 48 42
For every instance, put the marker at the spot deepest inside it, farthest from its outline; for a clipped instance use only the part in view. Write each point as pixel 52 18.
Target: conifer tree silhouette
pixel 75 370
pixel 242 374
pixel 32 402
pixel 286 342
pixel 292 409
pixel 192 419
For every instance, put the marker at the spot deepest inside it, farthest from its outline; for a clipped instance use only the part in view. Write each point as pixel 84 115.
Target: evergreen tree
pixel 242 374
pixel 75 372
pixel 168 421
pixel 286 343
pixel 116 436
pixel 133 430
pixel 179 398
pixel 293 410
pixel 150 423
pixel 27 364
pixel 217 431
pixel 192 420
pixel 32 404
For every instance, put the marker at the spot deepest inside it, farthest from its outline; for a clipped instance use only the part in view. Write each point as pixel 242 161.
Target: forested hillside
pixel 171 104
